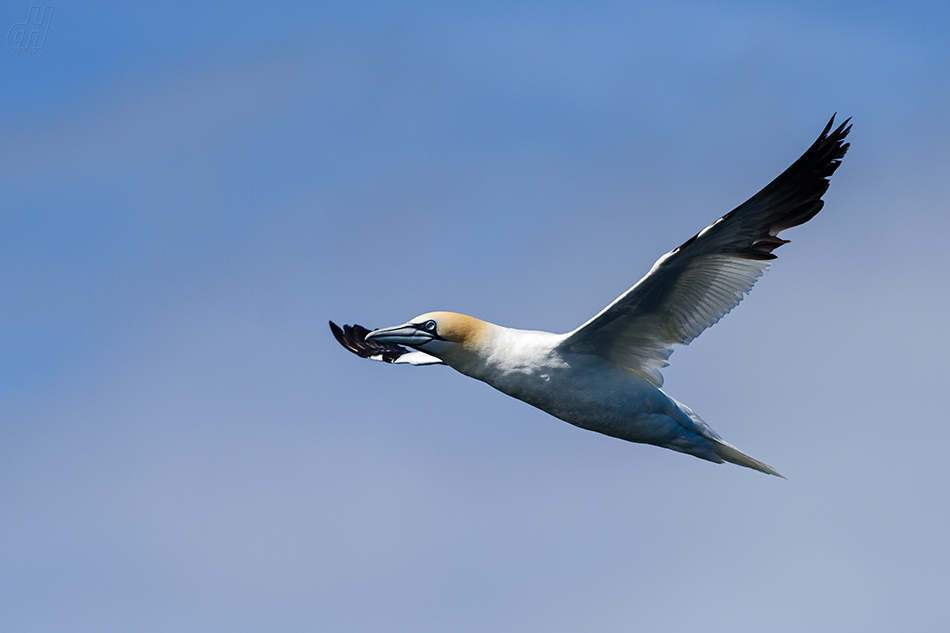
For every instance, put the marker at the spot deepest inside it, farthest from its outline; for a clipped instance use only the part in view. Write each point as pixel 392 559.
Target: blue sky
pixel 191 190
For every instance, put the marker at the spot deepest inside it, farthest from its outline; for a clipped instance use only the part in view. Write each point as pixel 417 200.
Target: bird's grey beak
pixel 409 334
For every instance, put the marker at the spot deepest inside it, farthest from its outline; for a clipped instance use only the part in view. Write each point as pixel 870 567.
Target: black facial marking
pixel 429 327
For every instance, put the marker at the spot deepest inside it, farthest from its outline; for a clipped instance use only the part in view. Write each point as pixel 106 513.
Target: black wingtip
pixel 828 125
pixel 834 140
pixel 353 338
pixel 794 197
pixel 840 130
pixel 337 332
pixel 801 186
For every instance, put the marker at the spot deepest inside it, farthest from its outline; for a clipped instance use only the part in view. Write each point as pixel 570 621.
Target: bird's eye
pixel 429 326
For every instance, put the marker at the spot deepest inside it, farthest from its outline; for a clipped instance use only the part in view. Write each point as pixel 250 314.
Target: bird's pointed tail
pixel 733 455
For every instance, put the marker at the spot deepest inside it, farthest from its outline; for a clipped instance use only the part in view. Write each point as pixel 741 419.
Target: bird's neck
pixel 503 352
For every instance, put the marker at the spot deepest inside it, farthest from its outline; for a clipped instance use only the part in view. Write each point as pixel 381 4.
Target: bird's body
pixel 604 376
pixel 583 389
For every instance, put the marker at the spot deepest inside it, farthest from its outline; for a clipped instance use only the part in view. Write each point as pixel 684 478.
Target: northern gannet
pixel 605 375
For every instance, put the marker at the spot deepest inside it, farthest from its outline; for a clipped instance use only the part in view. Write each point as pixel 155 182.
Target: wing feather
pixel 353 338
pixel 692 287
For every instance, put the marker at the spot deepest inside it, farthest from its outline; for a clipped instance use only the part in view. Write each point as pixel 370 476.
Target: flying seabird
pixel 605 375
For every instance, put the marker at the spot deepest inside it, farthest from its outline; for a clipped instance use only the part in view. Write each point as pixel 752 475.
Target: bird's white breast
pixel 582 389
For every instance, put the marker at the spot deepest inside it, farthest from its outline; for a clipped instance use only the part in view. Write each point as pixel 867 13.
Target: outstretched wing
pixel 695 285
pixel 353 338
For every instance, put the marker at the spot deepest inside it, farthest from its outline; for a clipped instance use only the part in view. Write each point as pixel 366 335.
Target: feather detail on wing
pixel 353 338
pixel 695 285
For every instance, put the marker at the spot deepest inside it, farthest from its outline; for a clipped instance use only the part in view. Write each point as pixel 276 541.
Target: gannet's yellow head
pixel 438 333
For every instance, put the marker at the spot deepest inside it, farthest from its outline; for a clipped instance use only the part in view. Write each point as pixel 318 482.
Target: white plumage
pixel 605 375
